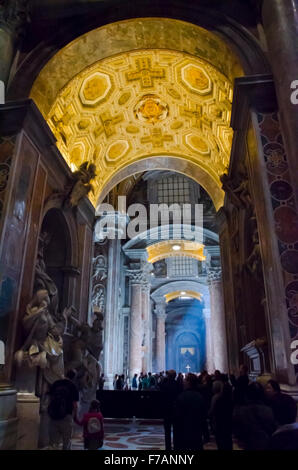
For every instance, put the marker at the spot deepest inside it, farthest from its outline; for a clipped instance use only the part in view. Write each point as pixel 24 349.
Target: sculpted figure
pixel 98 296
pixel 82 185
pixel 43 346
pixel 99 269
pixel 42 279
pixel 84 354
pixel 89 338
pixel 95 343
pixel 239 195
pixel 254 261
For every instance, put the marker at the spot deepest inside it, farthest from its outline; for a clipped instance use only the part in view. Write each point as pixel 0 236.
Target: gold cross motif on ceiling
pixel 157 139
pixel 109 122
pixel 194 112
pixel 145 73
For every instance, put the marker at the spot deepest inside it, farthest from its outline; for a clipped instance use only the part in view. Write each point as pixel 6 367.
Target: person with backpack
pixel 64 397
pixel 93 429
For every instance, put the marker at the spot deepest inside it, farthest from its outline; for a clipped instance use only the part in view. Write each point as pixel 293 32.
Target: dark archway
pixel 57 252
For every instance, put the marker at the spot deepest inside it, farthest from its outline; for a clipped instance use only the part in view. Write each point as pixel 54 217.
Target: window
pixel 181 266
pixel 173 190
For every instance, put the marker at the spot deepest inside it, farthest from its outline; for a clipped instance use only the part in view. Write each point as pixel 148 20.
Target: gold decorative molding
pixel 187 293
pixel 166 249
pixel 156 87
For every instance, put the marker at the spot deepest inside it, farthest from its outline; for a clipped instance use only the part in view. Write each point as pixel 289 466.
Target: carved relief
pixel 99 276
pixel 237 190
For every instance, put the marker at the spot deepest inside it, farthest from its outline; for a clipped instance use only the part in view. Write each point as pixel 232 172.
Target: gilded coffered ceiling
pixel 139 104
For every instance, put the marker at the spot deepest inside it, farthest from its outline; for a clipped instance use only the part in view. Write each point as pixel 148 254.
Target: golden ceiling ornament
pixel 183 294
pixel 167 249
pixel 88 93
pixel 151 109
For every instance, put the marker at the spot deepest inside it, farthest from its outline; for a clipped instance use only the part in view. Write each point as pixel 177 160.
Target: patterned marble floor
pixel 127 435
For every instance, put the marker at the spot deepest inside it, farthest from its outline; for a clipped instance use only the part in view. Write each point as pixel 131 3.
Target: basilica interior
pixel 111 108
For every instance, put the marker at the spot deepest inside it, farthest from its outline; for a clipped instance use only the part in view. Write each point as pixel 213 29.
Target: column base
pixel 8 418
pixel 28 414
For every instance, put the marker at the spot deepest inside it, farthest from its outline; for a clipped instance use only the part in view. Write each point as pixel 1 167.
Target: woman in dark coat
pixel 190 413
pixel 220 413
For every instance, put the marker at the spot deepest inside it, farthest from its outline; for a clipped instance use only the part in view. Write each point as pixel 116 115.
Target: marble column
pixel 217 320
pixel 136 327
pixel 147 328
pixel 280 21
pixel 111 324
pixel 209 345
pixel 160 337
pixel 114 231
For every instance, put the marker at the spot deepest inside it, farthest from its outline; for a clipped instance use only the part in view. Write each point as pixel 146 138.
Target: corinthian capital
pixel 214 274
pixel 139 273
pixel 136 276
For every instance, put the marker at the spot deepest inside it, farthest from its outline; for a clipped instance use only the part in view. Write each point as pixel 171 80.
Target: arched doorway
pixel 185 337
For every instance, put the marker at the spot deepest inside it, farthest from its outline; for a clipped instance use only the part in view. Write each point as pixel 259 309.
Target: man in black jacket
pixel 170 390
pixel 64 396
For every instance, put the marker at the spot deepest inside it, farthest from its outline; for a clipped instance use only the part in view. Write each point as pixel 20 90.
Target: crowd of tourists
pixel 232 409
pixel 195 407
pixel 256 416
pixel 143 381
